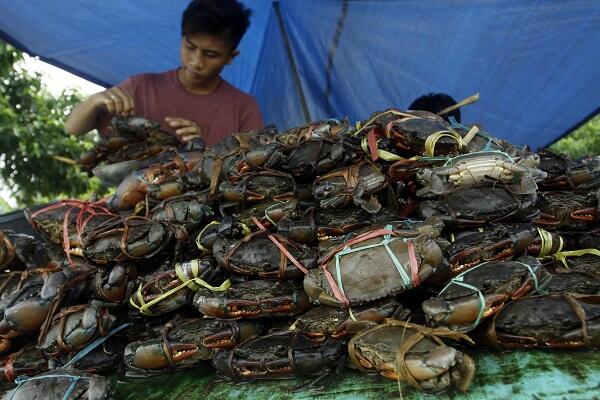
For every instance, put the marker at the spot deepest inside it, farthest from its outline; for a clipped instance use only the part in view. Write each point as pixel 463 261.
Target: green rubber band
pixel 386 240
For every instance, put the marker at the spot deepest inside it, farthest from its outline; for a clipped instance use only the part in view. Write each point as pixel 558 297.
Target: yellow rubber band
pixel 144 308
pixel 395 112
pixel 198 244
pixel 383 154
pixel 562 256
pixel 351 314
pixel 432 139
pixel 547 242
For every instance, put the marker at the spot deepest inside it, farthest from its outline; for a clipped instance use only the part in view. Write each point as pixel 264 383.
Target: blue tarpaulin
pixel 536 64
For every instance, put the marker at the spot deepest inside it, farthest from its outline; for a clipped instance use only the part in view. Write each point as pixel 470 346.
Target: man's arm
pixel 84 116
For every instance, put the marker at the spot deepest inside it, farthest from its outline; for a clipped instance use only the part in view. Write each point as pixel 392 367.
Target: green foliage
pixel 583 141
pixel 32 132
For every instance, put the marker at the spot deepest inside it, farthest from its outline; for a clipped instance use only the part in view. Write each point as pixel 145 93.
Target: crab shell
pixel 495 243
pixel 87 387
pixel 253 299
pixel 400 350
pixel 257 255
pixel 565 320
pixel 370 274
pixel 155 285
pixel 188 342
pixel 325 321
pixel 475 169
pixel 354 183
pixel 27 361
pixel 279 355
pixel 478 205
pixel 77 330
pixel 187 209
pixel 568 210
pixel 259 186
pixel 127 238
pixel 459 307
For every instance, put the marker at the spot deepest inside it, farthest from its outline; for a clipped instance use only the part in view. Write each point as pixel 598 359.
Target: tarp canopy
pixel 536 64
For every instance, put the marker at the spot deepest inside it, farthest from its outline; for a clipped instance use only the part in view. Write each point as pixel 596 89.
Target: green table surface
pixel 532 374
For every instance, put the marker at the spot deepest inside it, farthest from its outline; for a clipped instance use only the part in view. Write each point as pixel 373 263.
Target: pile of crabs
pixel 395 246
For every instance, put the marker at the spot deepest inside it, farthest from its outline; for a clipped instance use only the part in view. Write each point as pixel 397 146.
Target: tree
pixel 583 141
pixel 31 133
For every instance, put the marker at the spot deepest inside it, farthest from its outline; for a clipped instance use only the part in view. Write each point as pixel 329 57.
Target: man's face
pixel 203 57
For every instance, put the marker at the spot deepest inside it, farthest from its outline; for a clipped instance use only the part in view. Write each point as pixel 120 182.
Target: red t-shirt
pixel 225 111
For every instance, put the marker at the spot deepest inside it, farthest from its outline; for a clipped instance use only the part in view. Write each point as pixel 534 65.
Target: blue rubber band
pixel 87 349
pixel 72 378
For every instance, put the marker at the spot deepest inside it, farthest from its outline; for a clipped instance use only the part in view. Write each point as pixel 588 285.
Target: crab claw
pixel 221 340
pixel 232 309
pixel 152 355
pixel 546 221
pixel 586 214
pixel 324 233
pixel 467 259
pixel 448 313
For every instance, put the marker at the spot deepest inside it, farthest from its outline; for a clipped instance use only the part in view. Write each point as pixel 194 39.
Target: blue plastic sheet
pixel 535 63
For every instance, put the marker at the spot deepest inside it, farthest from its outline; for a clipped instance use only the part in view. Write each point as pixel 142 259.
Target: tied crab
pixel 265 255
pixel 253 299
pixel 325 321
pixel 259 186
pixel 129 238
pixel 354 183
pixel 185 343
pixel 27 361
pixel 73 328
pixel 163 292
pixel 281 355
pixel 26 309
pixel 112 285
pixel 332 129
pixel 575 271
pixel 371 266
pixel 482 291
pixel 565 320
pixel 568 210
pixel 413 353
pixel 499 242
pixel 58 383
pixel 18 250
pixel 315 225
pixel 317 156
pixel 65 222
pixel 564 173
pixel 474 169
pixel 478 205
pixel 410 132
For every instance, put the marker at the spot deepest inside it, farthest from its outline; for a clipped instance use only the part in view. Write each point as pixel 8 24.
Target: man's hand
pixel 185 129
pixel 116 101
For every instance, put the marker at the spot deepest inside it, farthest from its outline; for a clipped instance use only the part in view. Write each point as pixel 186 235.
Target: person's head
pixel 436 102
pixel 211 31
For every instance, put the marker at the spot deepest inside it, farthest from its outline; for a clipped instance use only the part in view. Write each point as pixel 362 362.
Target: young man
pixel 192 100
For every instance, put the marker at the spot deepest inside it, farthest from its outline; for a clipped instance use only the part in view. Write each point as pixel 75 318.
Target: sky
pixel 55 80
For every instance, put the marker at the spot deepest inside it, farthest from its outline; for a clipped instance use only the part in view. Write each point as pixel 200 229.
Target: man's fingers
pixel 188 130
pixel 179 122
pixel 118 101
pixel 125 98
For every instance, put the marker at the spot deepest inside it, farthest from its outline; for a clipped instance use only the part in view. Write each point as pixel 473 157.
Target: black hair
pixel 436 102
pixel 227 19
